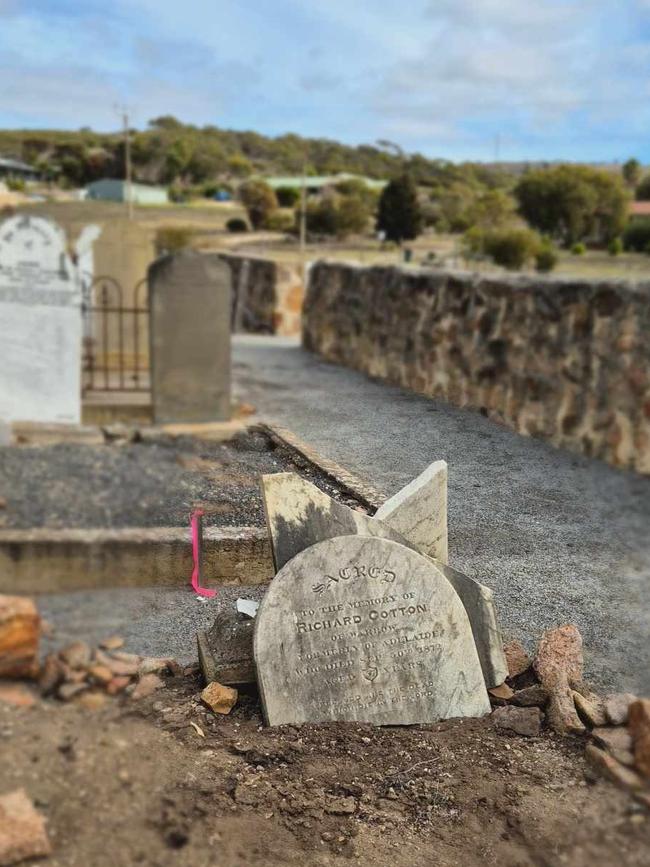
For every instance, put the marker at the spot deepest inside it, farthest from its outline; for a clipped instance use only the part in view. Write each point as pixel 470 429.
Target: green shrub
pixel 578 249
pixel 259 200
pixel 171 239
pixel 637 235
pixel 545 259
pixel 288 197
pixel 16 185
pixel 280 221
pixel 510 248
pixel 236 224
pixel 615 247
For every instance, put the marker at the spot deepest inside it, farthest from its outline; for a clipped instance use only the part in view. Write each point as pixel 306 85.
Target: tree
pixel 259 200
pixel 573 203
pixel 632 172
pixel 399 214
pixel 643 189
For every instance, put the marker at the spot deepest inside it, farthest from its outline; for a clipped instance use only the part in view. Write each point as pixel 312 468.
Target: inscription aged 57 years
pixel 386 652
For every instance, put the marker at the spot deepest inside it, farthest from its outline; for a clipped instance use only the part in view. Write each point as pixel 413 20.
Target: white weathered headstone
pixel 419 512
pixel 362 629
pixel 40 324
pixel 299 514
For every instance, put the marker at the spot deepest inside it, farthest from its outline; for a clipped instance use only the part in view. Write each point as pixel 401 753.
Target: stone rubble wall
pixel 564 360
pixel 267 295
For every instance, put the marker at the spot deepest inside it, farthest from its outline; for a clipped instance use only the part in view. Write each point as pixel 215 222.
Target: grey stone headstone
pixel 362 629
pixel 226 649
pixel 190 338
pixel 40 324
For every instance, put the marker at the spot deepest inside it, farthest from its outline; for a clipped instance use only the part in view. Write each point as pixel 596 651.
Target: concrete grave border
pixel 47 560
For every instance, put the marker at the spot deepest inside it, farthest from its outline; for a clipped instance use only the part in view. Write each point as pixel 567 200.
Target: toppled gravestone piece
pixel 299 514
pixel 226 649
pixel 419 512
pixel 362 629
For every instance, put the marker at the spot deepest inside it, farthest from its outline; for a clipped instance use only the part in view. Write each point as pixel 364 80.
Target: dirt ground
pixel 145 484
pixel 137 783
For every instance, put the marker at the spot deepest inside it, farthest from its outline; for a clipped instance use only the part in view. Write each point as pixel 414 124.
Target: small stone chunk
pixel 561 712
pixel 52 673
pixel 517 659
pixel 591 708
pixel 639 726
pixel 219 698
pixel 76 655
pixel 92 699
pixel 524 721
pixel 500 694
pixel 119 667
pixel 100 674
pixel 155 665
pixel 67 691
pixel 617 706
pixel 147 685
pixel 19 637
pixel 117 685
pixel 613 770
pixel 17 695
pixel 617 741
pixel 113 642
pixel 532 696
pixel 22 829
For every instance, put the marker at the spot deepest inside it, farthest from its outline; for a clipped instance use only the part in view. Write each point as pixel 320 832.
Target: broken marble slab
pixel 299 514
pixel 361 628
pixel 419 512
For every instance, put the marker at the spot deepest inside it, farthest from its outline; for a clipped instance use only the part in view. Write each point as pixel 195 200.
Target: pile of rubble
pixel 551 686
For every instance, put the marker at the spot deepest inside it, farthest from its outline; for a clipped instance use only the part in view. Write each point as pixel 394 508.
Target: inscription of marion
pixel 386 655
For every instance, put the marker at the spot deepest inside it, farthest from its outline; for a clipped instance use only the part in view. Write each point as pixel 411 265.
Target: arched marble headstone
pixel 40 324
pixel 363 629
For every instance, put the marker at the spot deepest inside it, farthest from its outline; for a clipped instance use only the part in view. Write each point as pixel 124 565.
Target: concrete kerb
pixel 45 560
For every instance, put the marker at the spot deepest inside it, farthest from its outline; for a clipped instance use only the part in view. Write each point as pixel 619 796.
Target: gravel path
pixel 560 538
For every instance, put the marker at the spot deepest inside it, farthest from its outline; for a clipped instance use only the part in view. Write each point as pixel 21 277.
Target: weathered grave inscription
pixel 357 628
pixel 40 324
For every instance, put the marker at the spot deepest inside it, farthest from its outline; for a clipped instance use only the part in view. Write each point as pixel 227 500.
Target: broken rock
pixel 590 707
pixel 19 637
pixel 52 673
pixel 639 726
pixel 532 696
pixel 500 694
pixel 76 655
pixel 147 685
pixel 219 698
pixel 156 665
pixel 617 741
pixel 22 829
pixel 17 695
pixel 517 659
pixel 608 767
pixel 617 706
pixel 524 721
pixel 559 665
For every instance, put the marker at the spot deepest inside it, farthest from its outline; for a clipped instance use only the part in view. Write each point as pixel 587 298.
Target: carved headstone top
pixel 40 324
pixel 34 265
pixel 363 629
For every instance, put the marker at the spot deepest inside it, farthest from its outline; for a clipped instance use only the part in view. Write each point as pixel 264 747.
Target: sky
pixel 459 79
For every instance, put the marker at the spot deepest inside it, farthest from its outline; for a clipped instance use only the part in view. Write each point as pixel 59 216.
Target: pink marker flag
pixel 196 524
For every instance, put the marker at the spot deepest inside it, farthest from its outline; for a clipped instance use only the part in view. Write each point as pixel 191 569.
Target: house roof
pixel 316 182
pixel 640 209
pixel 15 165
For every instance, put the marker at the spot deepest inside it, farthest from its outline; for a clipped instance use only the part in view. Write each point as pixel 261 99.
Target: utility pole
pixel 127 163
pixel 303 223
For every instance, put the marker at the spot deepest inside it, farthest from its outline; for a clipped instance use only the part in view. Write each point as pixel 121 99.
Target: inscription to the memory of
pixel 362 650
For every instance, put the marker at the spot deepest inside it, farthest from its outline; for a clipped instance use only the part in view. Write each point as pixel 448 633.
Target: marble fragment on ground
pixel 358 628
pixel 419 512
pixel 226 649
pixel 299 514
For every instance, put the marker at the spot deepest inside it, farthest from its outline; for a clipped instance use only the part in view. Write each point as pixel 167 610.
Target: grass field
pixel 208 221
